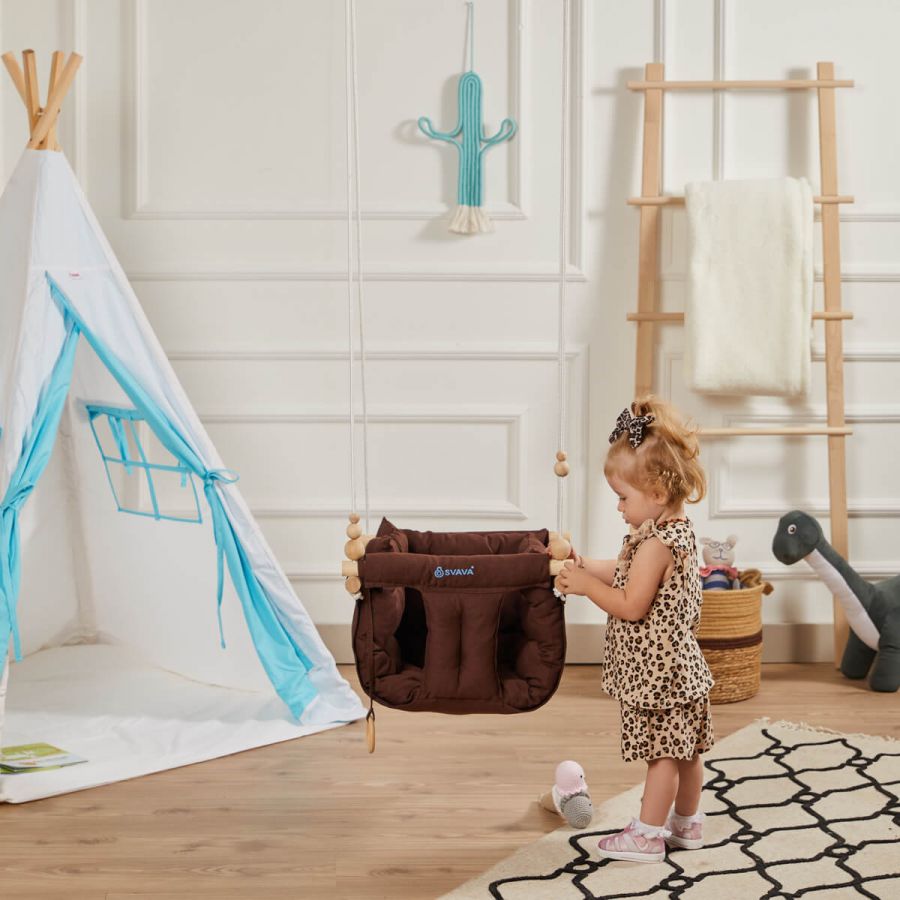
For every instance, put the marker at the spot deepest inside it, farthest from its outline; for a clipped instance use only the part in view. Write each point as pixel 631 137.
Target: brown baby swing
pixel 461 622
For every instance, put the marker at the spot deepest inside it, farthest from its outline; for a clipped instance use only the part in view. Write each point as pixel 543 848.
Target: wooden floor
pixel 442 799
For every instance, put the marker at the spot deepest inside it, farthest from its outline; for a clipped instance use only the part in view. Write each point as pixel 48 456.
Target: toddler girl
pixel 652 594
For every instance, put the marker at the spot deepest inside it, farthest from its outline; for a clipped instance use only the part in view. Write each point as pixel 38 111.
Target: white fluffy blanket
pixel 749 290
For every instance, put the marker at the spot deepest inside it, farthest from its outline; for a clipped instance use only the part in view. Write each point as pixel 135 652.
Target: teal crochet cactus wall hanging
pixel 469 139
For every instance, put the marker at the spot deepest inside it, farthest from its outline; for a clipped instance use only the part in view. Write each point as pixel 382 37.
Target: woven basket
pixel 730 636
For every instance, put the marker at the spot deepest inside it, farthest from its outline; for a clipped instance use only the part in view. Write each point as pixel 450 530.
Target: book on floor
pixel 35 758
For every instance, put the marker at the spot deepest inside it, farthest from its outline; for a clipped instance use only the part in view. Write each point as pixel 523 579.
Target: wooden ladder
pixel 651 202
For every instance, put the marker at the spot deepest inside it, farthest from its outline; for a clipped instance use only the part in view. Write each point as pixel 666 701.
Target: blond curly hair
pixel 666 459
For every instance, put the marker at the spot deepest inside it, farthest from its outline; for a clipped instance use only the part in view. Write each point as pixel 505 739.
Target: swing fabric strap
pixel 36 450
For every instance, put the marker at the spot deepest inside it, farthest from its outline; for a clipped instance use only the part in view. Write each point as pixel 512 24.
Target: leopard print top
pixel 656 662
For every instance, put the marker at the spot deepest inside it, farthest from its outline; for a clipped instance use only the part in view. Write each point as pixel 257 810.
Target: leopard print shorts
pixel 678 732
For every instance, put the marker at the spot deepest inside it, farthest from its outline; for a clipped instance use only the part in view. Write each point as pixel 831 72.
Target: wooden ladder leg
pixel 834 352
pixel 648 247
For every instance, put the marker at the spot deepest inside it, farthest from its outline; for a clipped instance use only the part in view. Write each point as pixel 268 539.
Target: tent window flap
pixel 144 481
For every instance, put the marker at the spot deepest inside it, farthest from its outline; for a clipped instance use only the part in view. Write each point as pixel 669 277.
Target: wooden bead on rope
pixel 562 467
pixel 370 731
pixel 560 548
pixel 355 549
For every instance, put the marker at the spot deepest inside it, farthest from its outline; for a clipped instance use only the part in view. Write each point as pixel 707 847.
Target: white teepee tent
pixel 120 526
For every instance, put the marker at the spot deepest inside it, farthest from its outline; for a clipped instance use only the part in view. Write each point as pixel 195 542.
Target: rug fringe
pixel 821 729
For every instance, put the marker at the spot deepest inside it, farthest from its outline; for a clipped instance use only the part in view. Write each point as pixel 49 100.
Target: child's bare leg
pixel 659 790
pixel 690 783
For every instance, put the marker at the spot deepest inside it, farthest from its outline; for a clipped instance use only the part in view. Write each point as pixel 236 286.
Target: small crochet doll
pixel 719 573
pixel 569 797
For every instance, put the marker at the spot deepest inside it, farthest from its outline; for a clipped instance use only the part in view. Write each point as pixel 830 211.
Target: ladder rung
pixel 678 317
pixel 814 429
pixel 790 84
pixel 678 200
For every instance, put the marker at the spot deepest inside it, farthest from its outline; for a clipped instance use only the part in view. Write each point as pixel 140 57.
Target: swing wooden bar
pixel 652 201
pixel 350 568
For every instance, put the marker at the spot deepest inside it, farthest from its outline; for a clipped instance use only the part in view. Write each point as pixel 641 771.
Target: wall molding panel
pixel 511 418
pixel 139 206
pixel 720 507
pixel 544 275
pixel 382 352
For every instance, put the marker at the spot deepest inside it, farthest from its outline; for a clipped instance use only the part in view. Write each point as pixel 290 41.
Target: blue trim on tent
pixel 37 446
pixel 115 417
pixel 285 663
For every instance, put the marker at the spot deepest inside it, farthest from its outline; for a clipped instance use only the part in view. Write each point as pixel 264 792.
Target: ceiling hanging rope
pixel 561 467
pixel 355 547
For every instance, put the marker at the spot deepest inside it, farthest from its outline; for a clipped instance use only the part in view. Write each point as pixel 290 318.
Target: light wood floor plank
pixel 442 799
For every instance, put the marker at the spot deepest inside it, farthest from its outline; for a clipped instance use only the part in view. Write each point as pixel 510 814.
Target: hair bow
pixel 634 425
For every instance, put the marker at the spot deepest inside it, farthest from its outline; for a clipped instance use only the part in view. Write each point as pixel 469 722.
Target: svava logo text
pixel 441 572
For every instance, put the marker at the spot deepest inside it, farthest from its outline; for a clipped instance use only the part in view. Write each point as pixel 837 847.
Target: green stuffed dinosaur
pixel 873 610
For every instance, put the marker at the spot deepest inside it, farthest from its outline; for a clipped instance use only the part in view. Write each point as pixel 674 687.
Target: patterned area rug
pixel 791 811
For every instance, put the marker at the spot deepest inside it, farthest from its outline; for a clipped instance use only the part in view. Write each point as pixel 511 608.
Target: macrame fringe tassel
pixel 821 729
pixel 471 220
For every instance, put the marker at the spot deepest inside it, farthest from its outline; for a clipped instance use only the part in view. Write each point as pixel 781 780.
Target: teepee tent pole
pixel 32 93
pixel 54 101
pixel 42 121
pixel 15 72
pixel 56 64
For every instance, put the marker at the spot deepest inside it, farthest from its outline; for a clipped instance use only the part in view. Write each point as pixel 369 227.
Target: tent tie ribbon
pixel 220 524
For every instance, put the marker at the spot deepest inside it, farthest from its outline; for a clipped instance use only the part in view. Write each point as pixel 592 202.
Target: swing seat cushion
pixel 462 622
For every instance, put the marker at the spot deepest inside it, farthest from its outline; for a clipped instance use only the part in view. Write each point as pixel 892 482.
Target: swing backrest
pixel 460 622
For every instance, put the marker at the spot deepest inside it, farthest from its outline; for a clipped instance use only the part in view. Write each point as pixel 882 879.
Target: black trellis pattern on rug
pixel 673 881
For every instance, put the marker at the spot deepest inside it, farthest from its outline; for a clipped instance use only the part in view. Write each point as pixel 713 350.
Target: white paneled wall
pixel 209 135
pixel 752 135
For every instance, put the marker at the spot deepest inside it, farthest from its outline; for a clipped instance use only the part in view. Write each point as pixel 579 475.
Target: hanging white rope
pixel 353 206
pixel 470 27
pixel 349 126
pixel 354 216
pixel 563 257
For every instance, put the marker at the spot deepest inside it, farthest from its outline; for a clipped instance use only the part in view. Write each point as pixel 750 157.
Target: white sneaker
pixel 688 836
pixel 634 845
